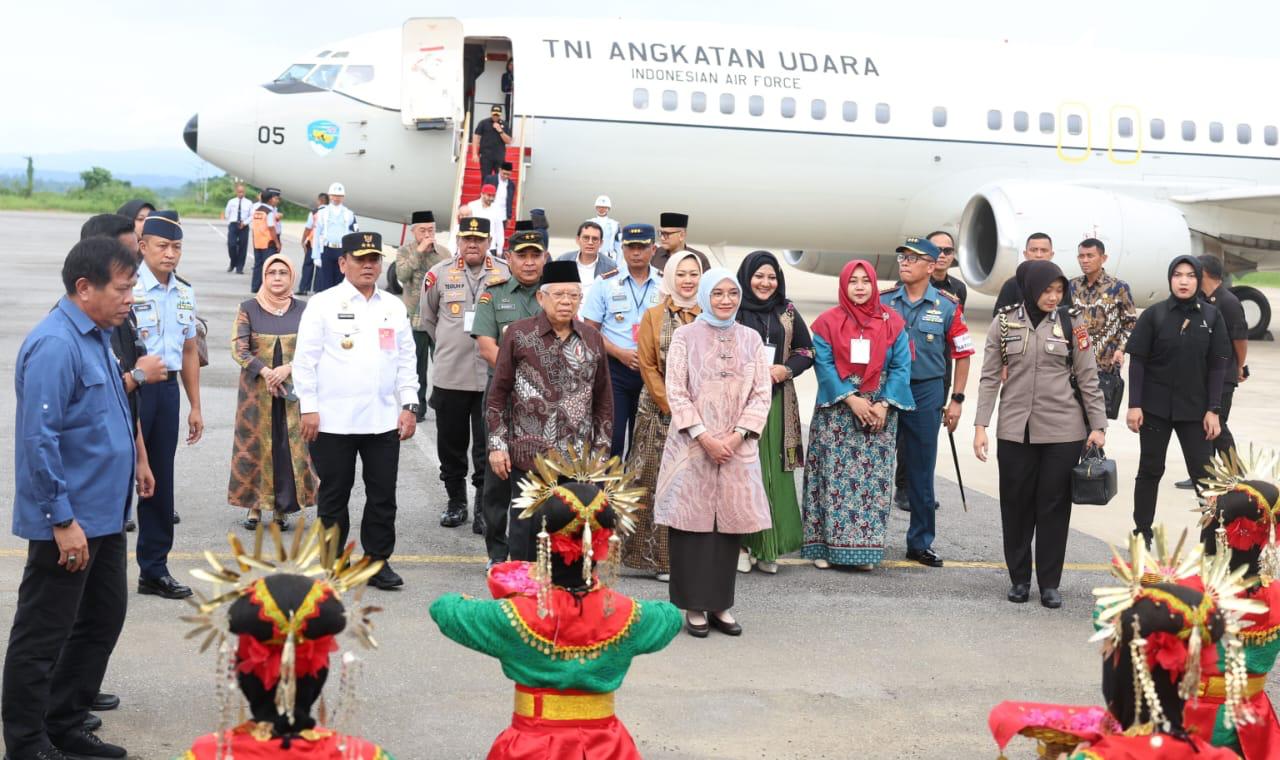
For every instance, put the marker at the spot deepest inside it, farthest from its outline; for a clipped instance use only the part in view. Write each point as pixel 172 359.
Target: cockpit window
pixel 324 54
pixel 295 73
pixel 323 76
pixel 354 76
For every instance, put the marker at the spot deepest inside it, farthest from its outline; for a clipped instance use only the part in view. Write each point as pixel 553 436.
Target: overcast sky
pixel 123 75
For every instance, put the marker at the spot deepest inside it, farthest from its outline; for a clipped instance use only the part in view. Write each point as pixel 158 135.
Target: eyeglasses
pixel 909 258
pixel 668 233
pixel 946 251
pixel 569 296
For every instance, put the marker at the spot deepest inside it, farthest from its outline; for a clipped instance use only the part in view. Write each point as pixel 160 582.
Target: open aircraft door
pixel 431 54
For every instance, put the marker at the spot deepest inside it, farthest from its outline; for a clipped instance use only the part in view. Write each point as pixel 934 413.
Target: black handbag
pixel 1112 386
pixel 1093 480
pixel 393 282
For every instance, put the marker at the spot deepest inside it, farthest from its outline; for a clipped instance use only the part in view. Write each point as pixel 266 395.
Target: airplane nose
pixel 191 132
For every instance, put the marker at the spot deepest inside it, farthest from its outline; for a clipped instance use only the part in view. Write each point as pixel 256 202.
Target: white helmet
pixel 603 200
pixel 337 189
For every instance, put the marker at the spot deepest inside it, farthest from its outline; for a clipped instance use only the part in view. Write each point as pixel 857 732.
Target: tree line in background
pixel 99 192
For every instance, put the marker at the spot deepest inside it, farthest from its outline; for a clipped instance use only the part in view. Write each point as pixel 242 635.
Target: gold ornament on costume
pixel 595 467
pixel 1228 472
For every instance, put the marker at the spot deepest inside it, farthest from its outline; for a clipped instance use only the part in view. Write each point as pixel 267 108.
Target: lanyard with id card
pixel 859 351
pixel 468 319
pixel 767 352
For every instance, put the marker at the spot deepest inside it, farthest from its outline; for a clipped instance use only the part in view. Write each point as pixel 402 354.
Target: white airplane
pixel 824 143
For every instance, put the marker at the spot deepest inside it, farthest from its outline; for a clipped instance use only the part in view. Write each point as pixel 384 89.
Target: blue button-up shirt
pixel 618 302
pixel 935 325
pixel 166 315
pixel 73 452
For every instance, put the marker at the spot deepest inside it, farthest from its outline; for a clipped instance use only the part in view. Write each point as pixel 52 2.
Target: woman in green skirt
pixel 766 310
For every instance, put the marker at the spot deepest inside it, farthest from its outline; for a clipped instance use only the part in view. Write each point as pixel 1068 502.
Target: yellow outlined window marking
pixel 1079 110
pixel 1113 126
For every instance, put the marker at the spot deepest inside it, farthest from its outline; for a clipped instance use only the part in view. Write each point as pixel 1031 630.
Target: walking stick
pixel 955 458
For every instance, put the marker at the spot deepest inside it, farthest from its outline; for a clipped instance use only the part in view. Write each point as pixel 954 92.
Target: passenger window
pixel 1046 123
pixel 1270 135
pixel 788 108
pixel 726 103
pixel 1215 131
pixel 340 54
pixel 698 102
pixel 882 113
pixel 755 105
pixel 1124 127
pixel 324 54
pixel 295 73
pixel 994 119
pixel 1021 121
pixel 939 116
pixel 1157 129
pixel 818 110
pixel 324 76
pixel 1244 134
pixel 1188 130
pixel 669 100
pixel 850 111
pixel 1075 125
pixel 354 76
pixel 640 98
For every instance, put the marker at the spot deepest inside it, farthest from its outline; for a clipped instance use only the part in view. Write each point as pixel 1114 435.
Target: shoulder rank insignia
pixel 429 280
pixel 890 289
pixel 949 295
pixel 1074 311
pixel 181 280
pixel 497 279
pixel 485 297
pixel 610 273
pixel 1007 309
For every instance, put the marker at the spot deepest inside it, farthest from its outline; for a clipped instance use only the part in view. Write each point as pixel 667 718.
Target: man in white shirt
pixel 592 264
pixel 609 228
pixel 505 195
pixel 332 222
pixel 355 375
pixel 485 207
pixel 236 215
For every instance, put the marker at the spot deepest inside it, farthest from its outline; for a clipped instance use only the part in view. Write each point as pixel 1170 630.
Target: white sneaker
pixel 664 577
pixel 865 568
pixel 744 562
pixel 768 567
pixel 821 564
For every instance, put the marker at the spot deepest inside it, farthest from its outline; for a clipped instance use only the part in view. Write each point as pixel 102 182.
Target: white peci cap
pixel 603 200
pixel 337 189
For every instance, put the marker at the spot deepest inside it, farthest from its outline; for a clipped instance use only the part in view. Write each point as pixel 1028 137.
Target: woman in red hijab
pixel 862 358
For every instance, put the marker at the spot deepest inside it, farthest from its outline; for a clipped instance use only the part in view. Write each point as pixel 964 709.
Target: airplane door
pixel 431 55
pixel 1125 129
pixel 1075 134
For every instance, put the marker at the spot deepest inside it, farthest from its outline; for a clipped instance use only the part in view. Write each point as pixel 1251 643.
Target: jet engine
pixel 830 263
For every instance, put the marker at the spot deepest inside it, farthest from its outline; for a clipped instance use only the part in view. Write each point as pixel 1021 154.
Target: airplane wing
pixel 1257 199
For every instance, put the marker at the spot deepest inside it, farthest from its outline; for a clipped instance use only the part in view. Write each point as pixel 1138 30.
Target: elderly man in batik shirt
pixel 550 389
pixel 1106 304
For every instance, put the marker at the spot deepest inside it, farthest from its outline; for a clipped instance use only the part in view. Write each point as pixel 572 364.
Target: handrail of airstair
pixel 524 127
pixel 460 157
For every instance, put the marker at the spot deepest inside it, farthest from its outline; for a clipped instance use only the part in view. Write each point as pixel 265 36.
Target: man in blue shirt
pixel 74 464
pixel 614 306
pixel 935 325
pixel 164 306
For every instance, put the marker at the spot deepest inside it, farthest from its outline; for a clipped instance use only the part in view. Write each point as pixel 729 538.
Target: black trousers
pixel 159 410
pixel 627 385
pixel 490 164
pixel 1035 502
pixel 308 272
pixel 423 348
pixel 260 256
pixel 334 457
pixel 1153 442
pixel 237 244
pixel 496 503
pixel 459 416
pixel 64 630
pixel 522 535
pixel 1225 441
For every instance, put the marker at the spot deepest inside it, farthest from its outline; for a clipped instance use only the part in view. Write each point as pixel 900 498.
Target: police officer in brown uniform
pixel 450 292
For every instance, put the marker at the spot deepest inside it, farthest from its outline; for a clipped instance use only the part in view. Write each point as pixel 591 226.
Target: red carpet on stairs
pixel 471 181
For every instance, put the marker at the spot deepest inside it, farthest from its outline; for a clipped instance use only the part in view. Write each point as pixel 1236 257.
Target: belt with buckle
pixel 556 704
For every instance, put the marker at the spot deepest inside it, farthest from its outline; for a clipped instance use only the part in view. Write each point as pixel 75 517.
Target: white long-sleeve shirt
pixel 243 205
pixel 497 219
pixel 355 361
pixel 331 223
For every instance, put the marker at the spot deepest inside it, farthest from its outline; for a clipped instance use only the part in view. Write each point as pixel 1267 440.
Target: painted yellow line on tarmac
pixel 480 559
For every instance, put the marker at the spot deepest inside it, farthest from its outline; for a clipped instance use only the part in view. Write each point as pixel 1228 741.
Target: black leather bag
pixel 1112 386
pixel 393 283
pixel 1093 480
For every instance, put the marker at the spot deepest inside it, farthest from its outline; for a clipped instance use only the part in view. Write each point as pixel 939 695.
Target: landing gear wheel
pixel 1257 310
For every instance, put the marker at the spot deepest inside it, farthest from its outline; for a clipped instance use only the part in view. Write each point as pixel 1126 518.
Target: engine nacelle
pixel 1141 236
pixel 830 264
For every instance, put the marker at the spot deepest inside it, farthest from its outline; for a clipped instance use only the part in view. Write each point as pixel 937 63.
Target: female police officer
pixel 1179 351
pixel 1029 362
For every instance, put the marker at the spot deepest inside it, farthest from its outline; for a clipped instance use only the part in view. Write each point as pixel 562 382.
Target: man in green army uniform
pixel 501 304
pixel 413 260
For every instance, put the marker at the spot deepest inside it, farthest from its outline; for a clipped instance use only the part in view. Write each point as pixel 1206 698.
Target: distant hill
pixel 159 168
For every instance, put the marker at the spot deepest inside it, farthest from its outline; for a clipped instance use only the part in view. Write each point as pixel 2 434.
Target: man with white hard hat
pixel 609 227
pixel 331 223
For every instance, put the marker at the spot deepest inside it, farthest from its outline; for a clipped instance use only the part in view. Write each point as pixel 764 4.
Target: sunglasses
pixel 946 251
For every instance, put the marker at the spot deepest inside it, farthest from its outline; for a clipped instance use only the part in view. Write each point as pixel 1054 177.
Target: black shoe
pixel 176 517
pixel 284 524
pixel 925 557
pixel 78 743
pixel 1185 485
pixel 1019 593
pixel 696 631
pixel 233 266
pixel 901 501
pixel 168 587
pixel 130 526
pixel 453 516
pixel 728 629
pixel 386 578
pixel 52 753
pixel 1049 597
pixel 104 701
pixel 250 524
pixel 477 524
pixel 92 722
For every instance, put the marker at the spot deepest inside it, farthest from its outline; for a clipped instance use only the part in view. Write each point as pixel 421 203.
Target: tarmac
pixel 903 662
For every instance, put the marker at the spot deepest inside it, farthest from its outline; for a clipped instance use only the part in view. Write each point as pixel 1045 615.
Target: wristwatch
pixel 412 408
pixel 138 376
pixel 957 397
pixel 64 523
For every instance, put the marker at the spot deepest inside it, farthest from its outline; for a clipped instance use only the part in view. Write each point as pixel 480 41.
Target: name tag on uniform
pixel 859 350
pixel 504 306
pixel 619 297
pixel 468 319
pixel 142 306
pixel 962 342
pixel 346 316
pixel 931 316
pixel 386 339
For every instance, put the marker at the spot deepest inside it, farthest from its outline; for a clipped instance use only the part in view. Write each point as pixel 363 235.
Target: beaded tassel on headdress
pixel 542 570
